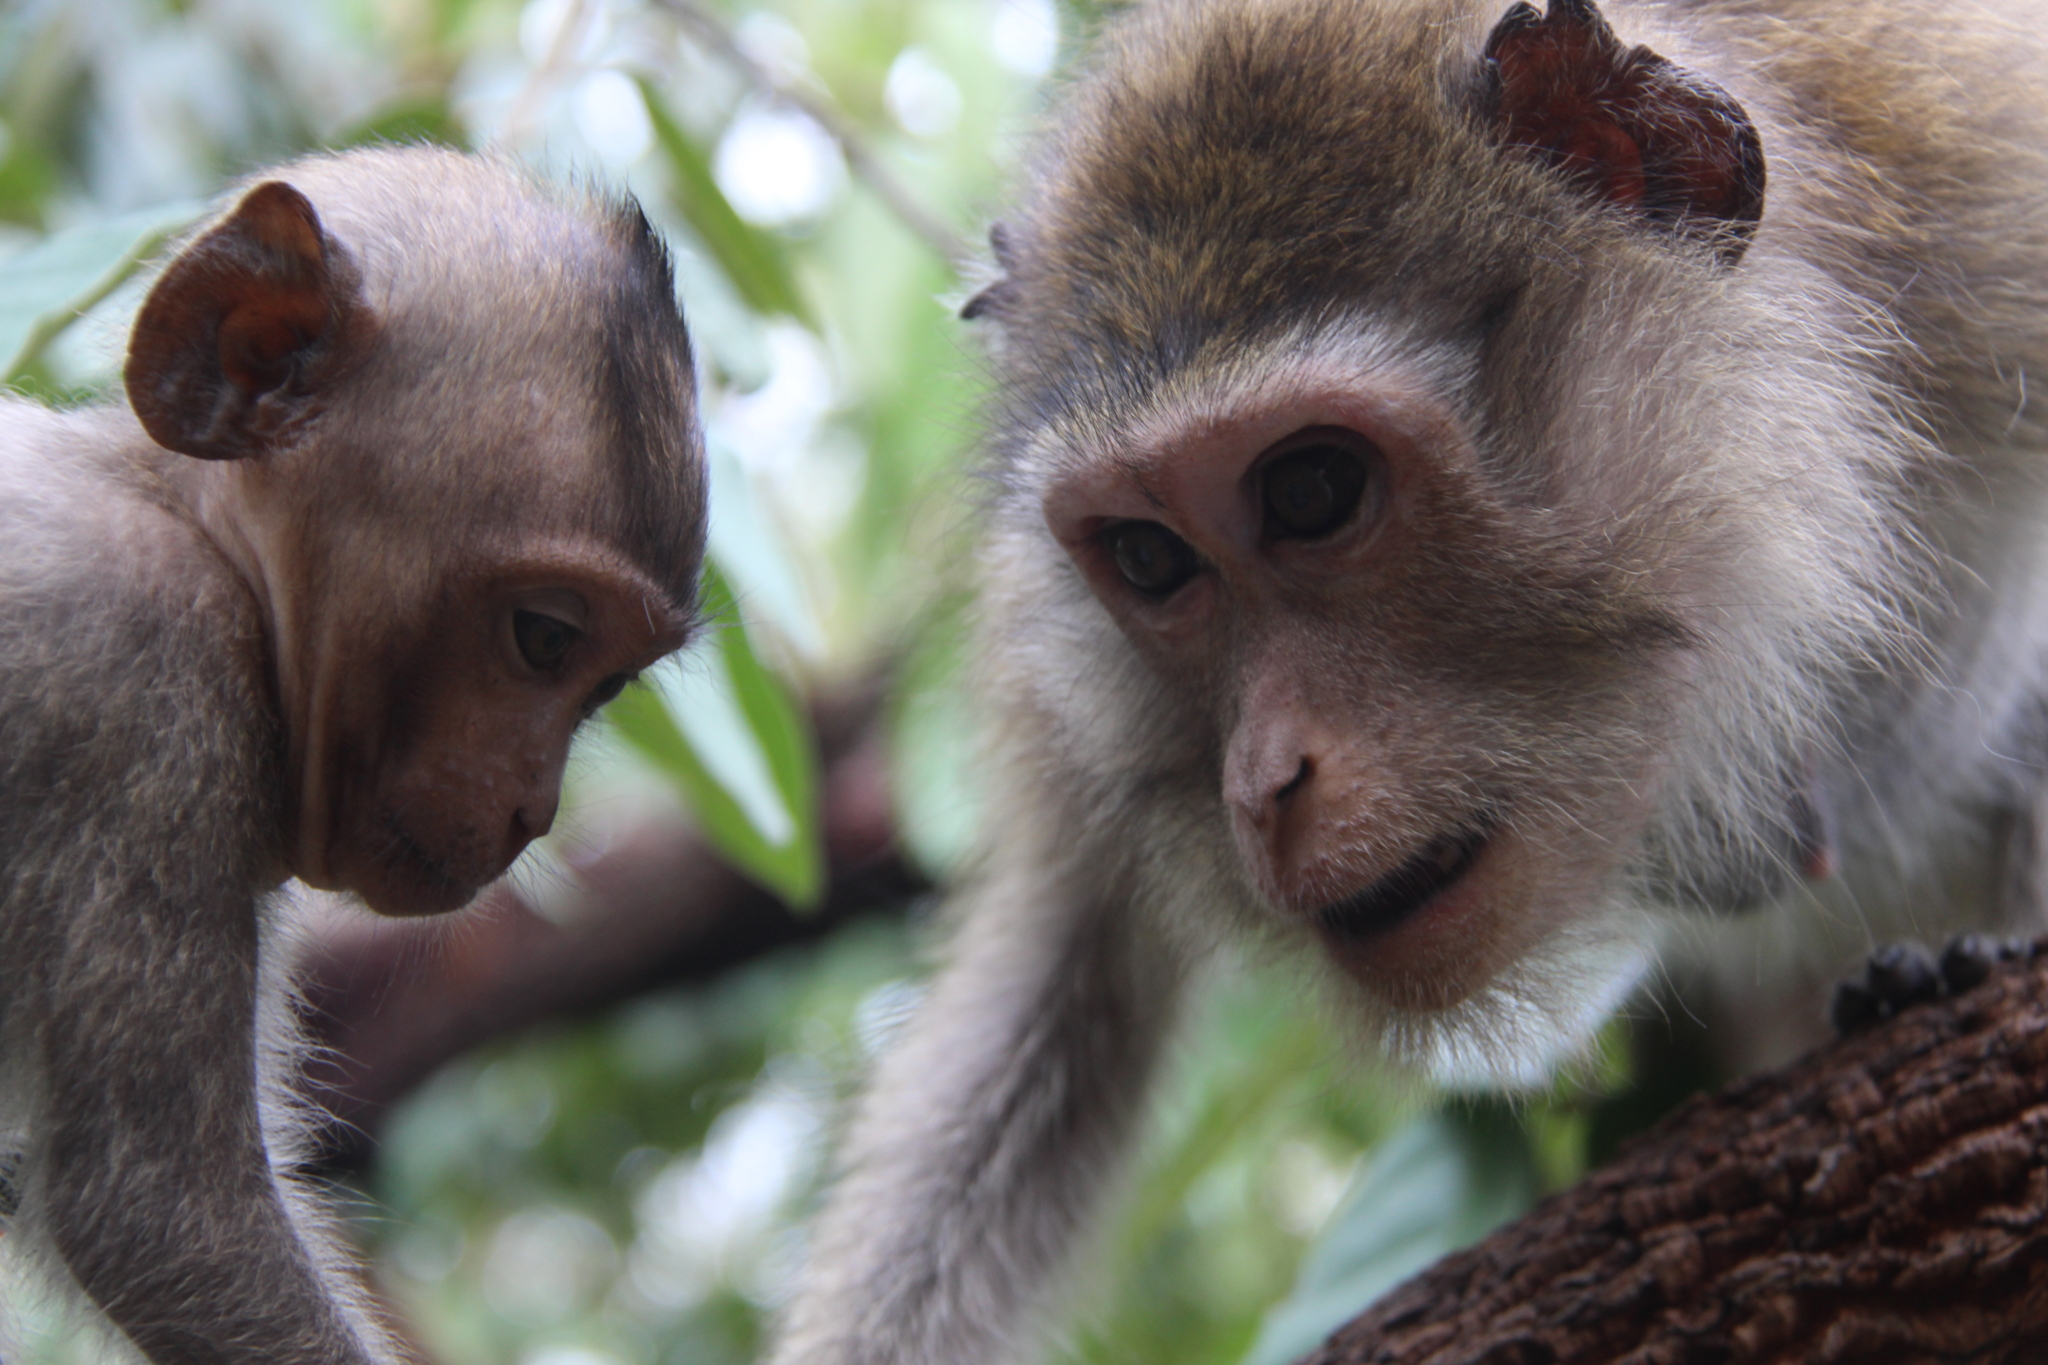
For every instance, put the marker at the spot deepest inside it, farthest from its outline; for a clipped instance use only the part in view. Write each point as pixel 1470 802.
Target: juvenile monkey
pixel 1472 486
pixel 409 482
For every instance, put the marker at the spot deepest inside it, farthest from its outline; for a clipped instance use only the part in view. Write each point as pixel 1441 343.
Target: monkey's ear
pixel 242 328
pixel 995 296
pixel 989 300
pixel 1626 125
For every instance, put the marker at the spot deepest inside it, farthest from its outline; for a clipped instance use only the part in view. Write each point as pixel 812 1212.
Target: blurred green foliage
pixel 631 1189
pixel 757 802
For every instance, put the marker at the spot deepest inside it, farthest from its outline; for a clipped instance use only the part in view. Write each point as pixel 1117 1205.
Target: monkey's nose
pixel 1274 798
pixel 1263 799
pixel 1285 816
pixel 531 821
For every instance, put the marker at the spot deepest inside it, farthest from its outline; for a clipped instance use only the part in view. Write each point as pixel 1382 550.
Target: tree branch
pixel 1883 1200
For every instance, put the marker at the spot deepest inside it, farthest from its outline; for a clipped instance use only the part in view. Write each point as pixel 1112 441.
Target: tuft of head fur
pixel 486 288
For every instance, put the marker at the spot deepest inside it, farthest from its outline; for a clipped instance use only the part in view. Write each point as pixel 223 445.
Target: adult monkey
pixel 1446 514
pixel 411 484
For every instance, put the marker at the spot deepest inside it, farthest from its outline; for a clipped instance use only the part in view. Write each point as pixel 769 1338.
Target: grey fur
pixel 147 1032
pixel 1773 534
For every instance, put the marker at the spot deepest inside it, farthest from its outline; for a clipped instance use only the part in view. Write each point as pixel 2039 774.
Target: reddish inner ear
pixel 1606 157
pixel 283 307
pixel 242 327
pixel 260 338
pixel 1627 126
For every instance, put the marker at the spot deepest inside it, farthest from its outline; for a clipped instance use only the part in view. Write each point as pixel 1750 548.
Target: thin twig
pixel 568 35
pixel 711 31
pixel 54 323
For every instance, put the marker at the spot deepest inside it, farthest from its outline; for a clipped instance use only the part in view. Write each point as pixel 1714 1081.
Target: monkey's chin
pixel 1526 1018
pixel 1539 1012
pixel 403 880
pixel 1483 964
pixel 398 898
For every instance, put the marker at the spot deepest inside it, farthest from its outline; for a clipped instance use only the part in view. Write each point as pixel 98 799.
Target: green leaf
pixel 784 734
pixel 727 732
pixel 47 287
pixel 935 743
pixel 750 258
pixel 26 180
pixel 749 546
pixel 1441 1183
pixel 723 327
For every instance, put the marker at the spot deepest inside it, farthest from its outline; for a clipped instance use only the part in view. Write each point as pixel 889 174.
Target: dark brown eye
pixel 606 689
pixel 543 641
pixel 1313 489
pixel 1151 558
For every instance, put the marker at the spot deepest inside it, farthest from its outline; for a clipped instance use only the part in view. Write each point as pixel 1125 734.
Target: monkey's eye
pixel 608 687
pixel 543 641
pixel 1314 488
pixel 1151 558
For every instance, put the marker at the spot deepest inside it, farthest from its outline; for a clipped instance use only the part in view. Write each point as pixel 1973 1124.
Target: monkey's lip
pixel 1399 895
pixel 426 884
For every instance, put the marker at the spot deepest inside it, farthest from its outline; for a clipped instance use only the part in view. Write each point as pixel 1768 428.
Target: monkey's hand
pixel 1899 975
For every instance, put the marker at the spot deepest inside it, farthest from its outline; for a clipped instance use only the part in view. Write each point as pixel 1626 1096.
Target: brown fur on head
pixel 442 417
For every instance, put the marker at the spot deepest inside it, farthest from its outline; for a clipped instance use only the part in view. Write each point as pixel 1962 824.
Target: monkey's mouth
pixel 444 888
pixel 1398 895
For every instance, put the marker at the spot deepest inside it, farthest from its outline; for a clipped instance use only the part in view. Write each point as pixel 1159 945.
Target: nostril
pixel 526 826
pixel 1294 784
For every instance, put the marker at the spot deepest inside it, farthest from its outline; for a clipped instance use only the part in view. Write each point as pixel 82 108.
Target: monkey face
pixel 1421 713
pixel 416 794
pixel 468 509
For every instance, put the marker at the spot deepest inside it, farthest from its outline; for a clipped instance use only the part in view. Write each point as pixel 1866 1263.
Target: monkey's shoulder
pixel 87 513
pixel 131 654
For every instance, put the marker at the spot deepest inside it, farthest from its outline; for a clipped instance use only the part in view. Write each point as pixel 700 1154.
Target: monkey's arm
pixel 990 1127
pixel 141 837
pixel 155 1183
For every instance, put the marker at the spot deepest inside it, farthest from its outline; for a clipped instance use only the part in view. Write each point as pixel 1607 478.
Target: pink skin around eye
pixel 1191 477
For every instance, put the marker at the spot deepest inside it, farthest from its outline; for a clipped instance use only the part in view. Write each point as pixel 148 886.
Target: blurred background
pixel 582 1124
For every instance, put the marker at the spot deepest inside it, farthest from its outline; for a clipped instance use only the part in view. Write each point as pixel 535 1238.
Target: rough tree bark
pixel 1882 1201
